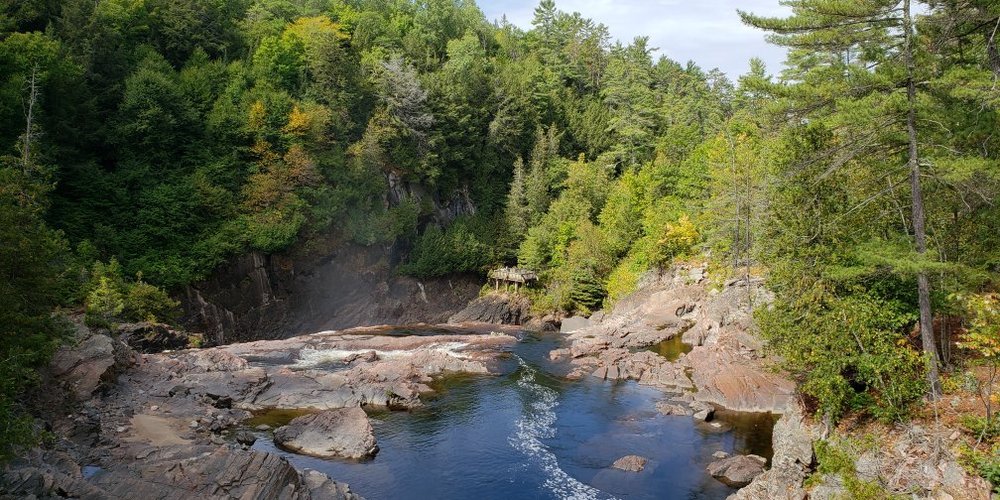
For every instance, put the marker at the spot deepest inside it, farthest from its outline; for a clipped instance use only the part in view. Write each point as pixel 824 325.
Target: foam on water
pixel 539 423
pixel 309 357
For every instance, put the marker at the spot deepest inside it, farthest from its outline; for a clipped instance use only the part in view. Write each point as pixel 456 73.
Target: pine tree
pixel 628 94
pixel 538 183
pixel 856 69
pixel 516 211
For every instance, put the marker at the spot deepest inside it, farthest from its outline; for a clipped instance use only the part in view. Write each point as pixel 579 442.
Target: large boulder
pixel 737 471
pixel 149 337
pixel 340 433
pixel 496 308
pixel 792 441
pixel 95 360
pixel 630 463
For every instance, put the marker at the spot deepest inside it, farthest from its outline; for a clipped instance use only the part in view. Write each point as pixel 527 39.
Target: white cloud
pixel 709 32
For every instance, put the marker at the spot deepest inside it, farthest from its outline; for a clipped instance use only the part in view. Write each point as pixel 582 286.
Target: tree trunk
pixel 919 231
pixel 29 127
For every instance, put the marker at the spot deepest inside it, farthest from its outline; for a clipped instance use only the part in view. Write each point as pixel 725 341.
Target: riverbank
pixel 725 364
pixel 656 380
pixel 167 425
pixel 713 356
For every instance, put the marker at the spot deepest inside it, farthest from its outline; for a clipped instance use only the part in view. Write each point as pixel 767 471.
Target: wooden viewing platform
pixel 514 275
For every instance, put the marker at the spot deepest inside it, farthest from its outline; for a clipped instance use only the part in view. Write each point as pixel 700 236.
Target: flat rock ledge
pixel 630 463
pixel 341 433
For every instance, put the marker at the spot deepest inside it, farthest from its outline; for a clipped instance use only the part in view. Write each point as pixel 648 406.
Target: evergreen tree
pixel 516 211
pixel 856 64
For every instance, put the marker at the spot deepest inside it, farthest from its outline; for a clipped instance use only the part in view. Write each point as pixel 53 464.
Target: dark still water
pixel 529 434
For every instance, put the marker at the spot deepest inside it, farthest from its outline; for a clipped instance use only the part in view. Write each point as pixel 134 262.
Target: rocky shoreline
pixel 167 425
pixel 725 365
pixel 175 424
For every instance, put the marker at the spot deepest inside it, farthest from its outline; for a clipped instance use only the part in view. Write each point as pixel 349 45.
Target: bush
pixel 984 463
pixel 104 304
pixel 847 351
pixel 385 226
pixel 145 302
pixel 981 427
pixel 838 459
pixel 108 297
pixel 676 239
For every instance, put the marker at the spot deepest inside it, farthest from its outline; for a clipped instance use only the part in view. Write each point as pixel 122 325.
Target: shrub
pixel 462 247
pixel 145 302
pixel 676 239
pixel 623 279
pixel 848 351
pixel 984 463
pixel 837 458
pixel 104 304
pixel 108 297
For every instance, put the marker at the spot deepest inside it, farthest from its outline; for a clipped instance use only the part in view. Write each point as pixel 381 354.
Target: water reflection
pixel 671 349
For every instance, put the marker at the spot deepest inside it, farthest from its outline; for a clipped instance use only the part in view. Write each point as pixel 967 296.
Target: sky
pixel 708 32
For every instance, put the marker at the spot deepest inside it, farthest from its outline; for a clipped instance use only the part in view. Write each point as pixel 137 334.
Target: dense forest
pixel 146 142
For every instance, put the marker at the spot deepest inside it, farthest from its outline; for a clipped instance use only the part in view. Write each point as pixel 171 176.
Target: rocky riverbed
pixel 725 365
pixel 166 425
pixel 629 402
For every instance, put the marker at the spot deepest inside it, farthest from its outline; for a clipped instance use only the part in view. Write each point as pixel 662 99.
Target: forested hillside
pixel 148 141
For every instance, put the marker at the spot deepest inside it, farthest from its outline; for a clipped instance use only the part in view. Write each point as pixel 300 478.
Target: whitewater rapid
pixel 538 423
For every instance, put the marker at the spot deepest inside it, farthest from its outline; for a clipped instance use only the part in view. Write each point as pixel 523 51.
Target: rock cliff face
pixel 495 308
pixel 327 283
pixel 261 296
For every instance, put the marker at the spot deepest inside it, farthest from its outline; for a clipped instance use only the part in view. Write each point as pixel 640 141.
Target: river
pixel 529 433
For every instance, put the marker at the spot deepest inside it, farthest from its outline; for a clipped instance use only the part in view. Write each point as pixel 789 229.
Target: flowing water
pixel 531 434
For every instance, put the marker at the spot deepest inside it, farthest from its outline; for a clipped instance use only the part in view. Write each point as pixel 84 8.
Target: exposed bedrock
pixel 171 425
pixel 328 286
pixel 725 365
pixel 340 433
pixel 495 308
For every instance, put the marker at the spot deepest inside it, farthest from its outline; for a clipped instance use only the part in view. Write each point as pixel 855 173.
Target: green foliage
pixel 982 337
pixel 180 133
pixel 983 332
pixel 848 351
pixel 465 246
pixel 624 278
pixel 145 302
pixel 108 297
pixel 837 458
pixel 832 459
pixel 31 260
pixel 981 427
pixel 675 239
pixel 104 303
pixel 985 463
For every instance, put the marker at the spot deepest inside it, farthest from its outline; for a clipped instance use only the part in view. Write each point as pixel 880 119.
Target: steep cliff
pixel 337 286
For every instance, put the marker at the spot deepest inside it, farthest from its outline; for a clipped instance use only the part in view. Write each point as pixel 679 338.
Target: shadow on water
pixel 529 433
pixel 275 418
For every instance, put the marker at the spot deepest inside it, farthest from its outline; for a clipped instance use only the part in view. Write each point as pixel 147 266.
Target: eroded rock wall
pixel 261 296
